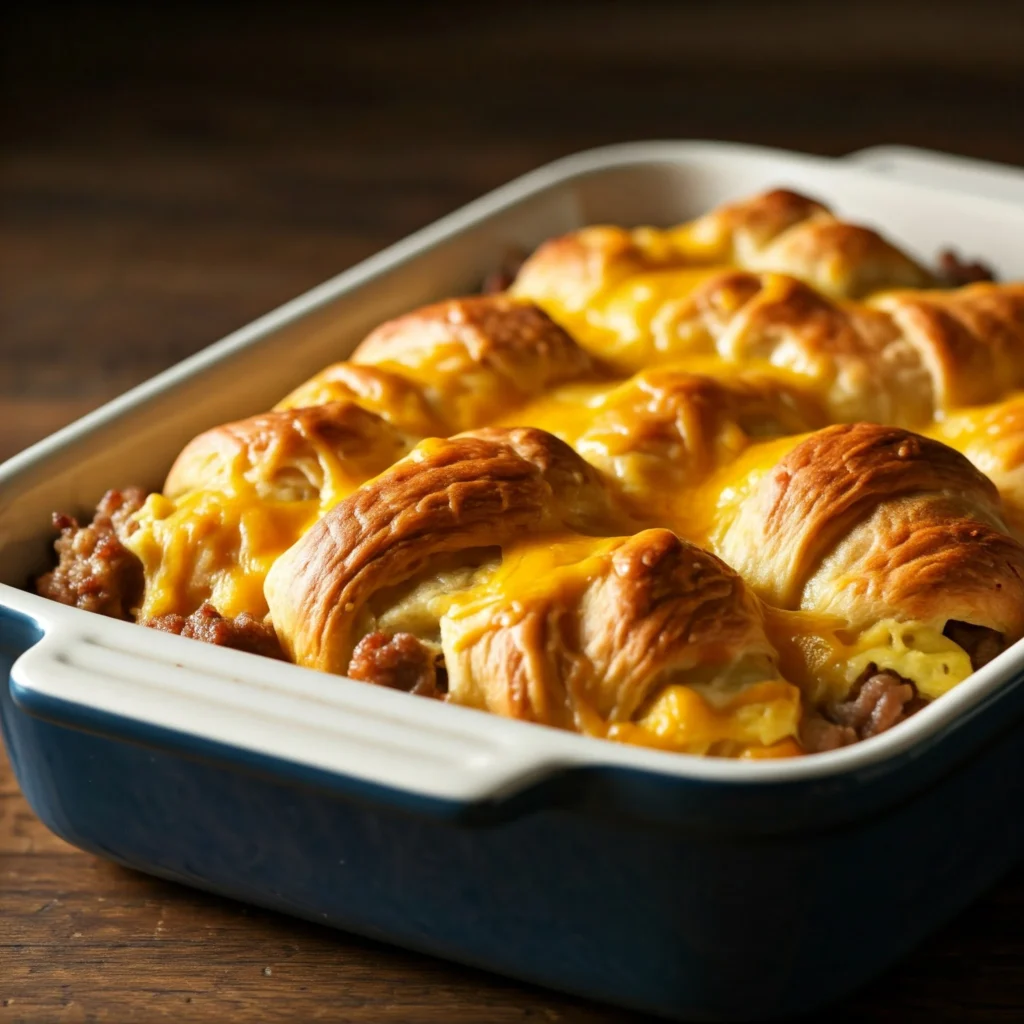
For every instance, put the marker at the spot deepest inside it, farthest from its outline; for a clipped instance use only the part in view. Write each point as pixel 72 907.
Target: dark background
pixel 167 176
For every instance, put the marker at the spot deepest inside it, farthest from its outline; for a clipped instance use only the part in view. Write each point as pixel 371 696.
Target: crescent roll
pixel 600 280
pixel 240 494
pixel 970 340
pixel 668 428
pixel 902 357
pixel 856 360
pixel 992 437
pixel 295 455
pixel 385 558
pixel 896 538
pixel 399 401
pixel 788 233
pixel 454 366
pixel 645 638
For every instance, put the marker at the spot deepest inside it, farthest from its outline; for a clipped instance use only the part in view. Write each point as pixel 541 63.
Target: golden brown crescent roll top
pixel 608 285
pixel 778 230
pixel 394 398
pixel 854 357
pixel 971 340
pixel 647 638
pixel 900 358
pixel 666 429
pixel 748 226
pixel 289 455
pixel 475 358
pixel 453 366
pixel 571 270
pixel 687 424
pixel 788 233
pixel 448 497
pixel 869 522
pixel 578 496
pixel 565 274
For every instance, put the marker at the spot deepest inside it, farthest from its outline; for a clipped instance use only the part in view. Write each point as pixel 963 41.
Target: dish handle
pixel 166 692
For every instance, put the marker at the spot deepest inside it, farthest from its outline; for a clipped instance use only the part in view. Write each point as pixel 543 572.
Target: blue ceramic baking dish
pixel 695 889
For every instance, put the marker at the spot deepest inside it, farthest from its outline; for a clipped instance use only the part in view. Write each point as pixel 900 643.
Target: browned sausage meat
pixel 243 633
pixel 94 570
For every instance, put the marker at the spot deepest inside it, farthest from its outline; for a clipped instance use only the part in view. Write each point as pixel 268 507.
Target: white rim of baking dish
pixel 338 725
pixel 335 724
pixel 943 170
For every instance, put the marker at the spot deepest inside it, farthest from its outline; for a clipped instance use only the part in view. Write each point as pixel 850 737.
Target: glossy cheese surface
pixel 992 437
pixel 215 547
pixel 628 323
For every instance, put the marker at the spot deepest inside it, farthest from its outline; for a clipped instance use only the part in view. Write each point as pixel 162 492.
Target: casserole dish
pixel 765 888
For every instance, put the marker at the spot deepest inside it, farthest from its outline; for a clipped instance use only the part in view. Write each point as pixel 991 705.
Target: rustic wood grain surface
pixel 166 178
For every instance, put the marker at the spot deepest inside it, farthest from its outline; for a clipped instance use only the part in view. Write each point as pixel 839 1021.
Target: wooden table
pixel 163 182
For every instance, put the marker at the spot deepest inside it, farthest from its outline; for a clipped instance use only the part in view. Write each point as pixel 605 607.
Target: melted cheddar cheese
pixel 629 322
pixel 213 546
pixel 683 473
pixel 992 437
pixel 762 720
pixel 558 569
pixel 704 514
pixel 565 412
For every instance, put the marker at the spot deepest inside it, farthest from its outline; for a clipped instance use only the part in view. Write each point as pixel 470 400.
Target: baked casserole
pixel 752 486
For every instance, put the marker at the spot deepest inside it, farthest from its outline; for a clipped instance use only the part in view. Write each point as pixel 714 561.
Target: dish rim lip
pixel 551 749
